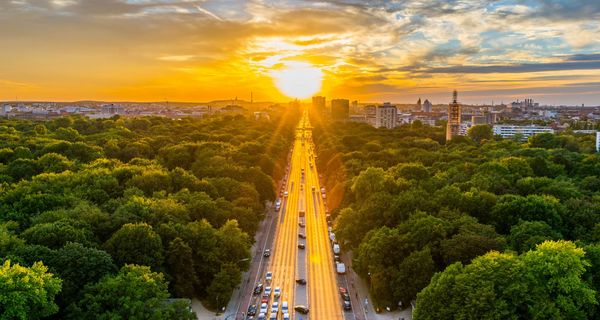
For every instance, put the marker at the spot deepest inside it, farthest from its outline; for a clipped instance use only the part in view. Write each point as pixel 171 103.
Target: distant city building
pixel 318 103
pixel 340 109
pixel 598 141
pixel 385 116
pixel 509 130
pixel 261 115
pixel 5 109
pixel 112 109
pixel 427 106
pixel 355 106
pixel 454 114
pixel 419 105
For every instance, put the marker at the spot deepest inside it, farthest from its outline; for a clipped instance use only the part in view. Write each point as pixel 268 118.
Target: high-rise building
pixel 419 105
pixel 454 114
pixel 340 109
pixel 427 106
pixel 385 116
pixel 598 141
pixel 318 103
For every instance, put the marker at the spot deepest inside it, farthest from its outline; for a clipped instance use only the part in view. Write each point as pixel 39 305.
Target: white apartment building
pixel 509 130
pixel 385 116
pixel 598 141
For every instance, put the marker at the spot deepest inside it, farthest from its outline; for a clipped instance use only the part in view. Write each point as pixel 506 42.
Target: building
pixel 112 109
pixel 385 116
pixel 454 114
pixel 318 103
pixel 419 104
pixel 510 131
pixel 598 141
pixel 426 106
pixel 340 109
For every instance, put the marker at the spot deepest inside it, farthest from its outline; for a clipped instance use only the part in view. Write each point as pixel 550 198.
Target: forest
pixel 474 228
pixel 120 218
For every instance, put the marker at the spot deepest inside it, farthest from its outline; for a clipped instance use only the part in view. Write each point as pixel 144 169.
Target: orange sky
pixel 188 50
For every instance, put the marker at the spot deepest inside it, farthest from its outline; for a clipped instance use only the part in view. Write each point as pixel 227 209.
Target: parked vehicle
pixel 336 248
pixel 302 235
pixel 347 305
pixel 341 268
pixel 301 246
pixel 251 310
pixel 267 253
pixel 301 281
pixel 258 289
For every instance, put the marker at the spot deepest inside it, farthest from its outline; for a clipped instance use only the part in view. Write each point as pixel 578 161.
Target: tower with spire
pixel 454 113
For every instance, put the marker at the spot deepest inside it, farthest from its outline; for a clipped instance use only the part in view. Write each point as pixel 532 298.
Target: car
pixel 343 290
pixel 336 258
pixel 301 224
pixel 345 296
pixel 285 194
pixel 251 310
pixel 302 309
pixel 285 307
pixel 347 305
pixel 301 281
pixel 267 292
pixel 286 316
pixel 302 235
pixel 258 289
pixel 301 246
pixel 263 308
pixel 262 316
pixel 269 276
pixel 275 307
pixel 264 300
pixel 267 253
pixel 277 292
pixel 273 316
pixel 313 188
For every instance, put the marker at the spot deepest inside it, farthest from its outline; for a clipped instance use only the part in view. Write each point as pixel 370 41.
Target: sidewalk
pixel 361 292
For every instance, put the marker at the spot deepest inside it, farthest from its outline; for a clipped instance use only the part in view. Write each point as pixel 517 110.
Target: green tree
pixel 222 286
pixel 134 293
pixel 137 244
pixel 481 132
pixel 27 293
pixel 527 234
pixel 180 264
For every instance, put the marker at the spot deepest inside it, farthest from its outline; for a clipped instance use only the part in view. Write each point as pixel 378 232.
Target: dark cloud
pixel 518 68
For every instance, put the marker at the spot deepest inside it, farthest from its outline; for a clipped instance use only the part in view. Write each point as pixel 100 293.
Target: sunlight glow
pixel 298 80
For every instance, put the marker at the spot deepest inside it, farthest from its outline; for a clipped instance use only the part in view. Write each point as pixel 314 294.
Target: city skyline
pixel 185 50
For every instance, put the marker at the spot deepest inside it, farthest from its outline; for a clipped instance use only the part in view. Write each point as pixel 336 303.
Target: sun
pixel 298 79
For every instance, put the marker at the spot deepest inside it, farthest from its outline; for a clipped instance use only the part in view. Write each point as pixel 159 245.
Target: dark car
pixel 345 296
pixel 302 235
pixel 252 310
pixel 301 281
pixel 267 253
pixel 301 246
pixel 301 224
pixel 302 309
pixel 347 305
pixel 258 289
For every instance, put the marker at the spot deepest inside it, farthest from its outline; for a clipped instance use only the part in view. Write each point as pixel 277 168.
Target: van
pixel 341 268
pixel 336 248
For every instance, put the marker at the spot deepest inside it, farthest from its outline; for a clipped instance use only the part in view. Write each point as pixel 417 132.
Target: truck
pixel 336 248
pixel 340 268
pixel 301 210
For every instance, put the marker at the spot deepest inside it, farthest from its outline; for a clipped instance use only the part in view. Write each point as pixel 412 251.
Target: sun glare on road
pixel 298 79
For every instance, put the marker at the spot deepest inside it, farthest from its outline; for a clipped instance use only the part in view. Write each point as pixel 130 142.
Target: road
pixel 302 212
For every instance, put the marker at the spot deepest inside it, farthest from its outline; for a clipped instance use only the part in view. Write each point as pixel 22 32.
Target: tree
pixel 27 293
pixel 56 234
pixel 545 283
pixel 481 132
pixel 134 293
pixel 222 286
pixel 137 244
pixel 527 234
pixel 78 265
pixel 180 264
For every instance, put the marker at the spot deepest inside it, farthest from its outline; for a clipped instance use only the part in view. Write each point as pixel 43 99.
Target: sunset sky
pixel 185 50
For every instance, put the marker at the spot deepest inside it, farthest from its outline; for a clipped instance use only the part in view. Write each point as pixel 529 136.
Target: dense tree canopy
pixel 183 197
pixel 409 204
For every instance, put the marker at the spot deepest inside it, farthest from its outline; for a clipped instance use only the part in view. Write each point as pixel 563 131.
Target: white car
pixel 285 194
pixel 275 307
pixel 263 308
pixel 267 292
pixel 262 316
pixel 273 316
pixel 269 276
pixel 286 316
pixel 277 292
pixel 284 307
